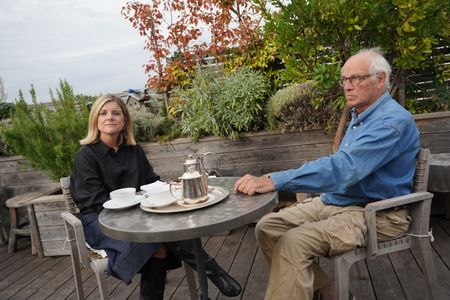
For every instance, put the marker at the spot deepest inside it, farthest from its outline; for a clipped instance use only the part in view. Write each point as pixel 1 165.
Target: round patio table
pixel 236 210
pixel 439 178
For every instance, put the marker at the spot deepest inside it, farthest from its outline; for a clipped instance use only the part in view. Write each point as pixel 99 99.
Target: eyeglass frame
pixel 358 78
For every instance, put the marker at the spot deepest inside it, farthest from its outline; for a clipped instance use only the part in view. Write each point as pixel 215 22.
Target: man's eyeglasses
pixel 355 79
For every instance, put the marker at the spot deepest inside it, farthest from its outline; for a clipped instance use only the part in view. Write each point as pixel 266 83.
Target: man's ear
pixel 381 77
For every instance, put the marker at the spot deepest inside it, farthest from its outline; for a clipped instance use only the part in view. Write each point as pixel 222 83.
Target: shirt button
pixel 346 145
pixel 354 127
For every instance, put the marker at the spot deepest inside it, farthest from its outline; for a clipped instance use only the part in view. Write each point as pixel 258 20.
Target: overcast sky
pixel 86 42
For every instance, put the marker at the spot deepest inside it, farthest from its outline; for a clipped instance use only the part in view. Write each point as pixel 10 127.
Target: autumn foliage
pixel 188 31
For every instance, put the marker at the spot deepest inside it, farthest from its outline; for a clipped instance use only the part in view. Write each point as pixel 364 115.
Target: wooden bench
pixel 22 201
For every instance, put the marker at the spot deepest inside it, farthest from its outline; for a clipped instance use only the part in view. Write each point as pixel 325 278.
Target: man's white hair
pixel 378 64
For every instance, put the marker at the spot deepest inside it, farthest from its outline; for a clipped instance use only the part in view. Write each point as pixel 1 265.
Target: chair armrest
pixel 372 208
pixel 398 201
pixel 71 219
pixel 75 234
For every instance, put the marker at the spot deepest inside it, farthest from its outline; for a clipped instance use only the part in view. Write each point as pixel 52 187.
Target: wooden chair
pixel 418 235
pixel 80 254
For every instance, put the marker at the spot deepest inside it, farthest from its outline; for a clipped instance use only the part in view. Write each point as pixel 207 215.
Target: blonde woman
pixel 110 159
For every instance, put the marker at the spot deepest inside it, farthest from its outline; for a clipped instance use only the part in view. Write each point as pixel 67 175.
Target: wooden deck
pixel 398 276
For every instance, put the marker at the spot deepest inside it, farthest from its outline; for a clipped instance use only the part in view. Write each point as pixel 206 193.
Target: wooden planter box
pixel 48 226
pixel 256 153
pixel 264 152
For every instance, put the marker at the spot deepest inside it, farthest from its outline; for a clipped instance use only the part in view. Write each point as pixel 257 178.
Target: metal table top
pixel 439 177
pixel 136 225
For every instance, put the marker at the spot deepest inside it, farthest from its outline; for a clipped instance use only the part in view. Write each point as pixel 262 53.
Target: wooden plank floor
pixel 397 276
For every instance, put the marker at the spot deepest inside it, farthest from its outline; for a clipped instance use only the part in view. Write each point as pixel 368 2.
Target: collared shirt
pixel 98 170
pixel 375 161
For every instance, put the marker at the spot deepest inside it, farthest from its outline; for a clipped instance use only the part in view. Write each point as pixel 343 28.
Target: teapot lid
pixel 191 160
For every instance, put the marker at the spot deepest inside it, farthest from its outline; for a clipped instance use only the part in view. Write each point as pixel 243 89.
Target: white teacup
pixel 123 194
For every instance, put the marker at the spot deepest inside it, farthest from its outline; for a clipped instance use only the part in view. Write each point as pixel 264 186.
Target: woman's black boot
pixel 224 282
pixel 153 279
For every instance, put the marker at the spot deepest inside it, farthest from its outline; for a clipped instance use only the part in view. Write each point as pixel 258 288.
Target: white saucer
pixel 160 199
pixel 121 204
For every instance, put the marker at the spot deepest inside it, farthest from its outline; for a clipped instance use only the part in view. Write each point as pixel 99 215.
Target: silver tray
pixel 215 195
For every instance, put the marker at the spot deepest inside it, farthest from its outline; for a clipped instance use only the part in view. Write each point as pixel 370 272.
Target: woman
pixel 108 160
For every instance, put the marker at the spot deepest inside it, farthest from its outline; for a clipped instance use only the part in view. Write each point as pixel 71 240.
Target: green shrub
pixel 292 108
pixel 263 57
pixel 4 149
pixel 170 129
pixel 49 137
pixel 146 125
pixel 223 105
pixel 6 110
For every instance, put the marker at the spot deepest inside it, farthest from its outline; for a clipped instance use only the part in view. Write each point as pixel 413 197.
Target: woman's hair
pixel 378 64
pixel 126 137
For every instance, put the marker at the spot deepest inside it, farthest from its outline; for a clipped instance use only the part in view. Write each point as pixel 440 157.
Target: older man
pixel 375 161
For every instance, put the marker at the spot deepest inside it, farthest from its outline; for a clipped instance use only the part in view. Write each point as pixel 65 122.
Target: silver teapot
pixel 194 182
pixel 196 163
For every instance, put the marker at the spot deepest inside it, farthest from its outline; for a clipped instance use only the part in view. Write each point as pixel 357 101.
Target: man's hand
pixel 251 185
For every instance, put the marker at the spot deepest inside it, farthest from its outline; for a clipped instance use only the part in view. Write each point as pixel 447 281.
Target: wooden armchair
pixel 418 236
pixel 79 252
pixel 82 255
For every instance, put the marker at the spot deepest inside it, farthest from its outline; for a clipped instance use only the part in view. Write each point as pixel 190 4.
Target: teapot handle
pixel 202 164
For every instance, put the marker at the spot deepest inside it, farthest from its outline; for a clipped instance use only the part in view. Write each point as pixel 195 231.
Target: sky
pixel 86 42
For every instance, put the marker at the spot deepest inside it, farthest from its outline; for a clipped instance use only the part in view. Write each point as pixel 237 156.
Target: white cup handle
pixel 171 192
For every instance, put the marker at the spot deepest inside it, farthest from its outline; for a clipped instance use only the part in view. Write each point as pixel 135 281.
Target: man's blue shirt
pixel 375 161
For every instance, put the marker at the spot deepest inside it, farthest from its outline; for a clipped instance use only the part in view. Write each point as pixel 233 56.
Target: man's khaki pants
pixel 292 238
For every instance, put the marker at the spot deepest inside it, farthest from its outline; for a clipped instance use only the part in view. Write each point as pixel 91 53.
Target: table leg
pixel 36 247
pixel 201 272
pixel 13 230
